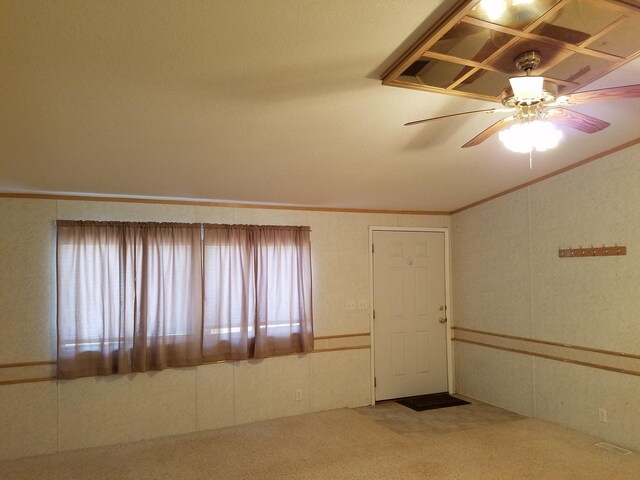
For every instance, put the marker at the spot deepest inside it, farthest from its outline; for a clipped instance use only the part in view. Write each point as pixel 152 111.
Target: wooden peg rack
pixel 593 252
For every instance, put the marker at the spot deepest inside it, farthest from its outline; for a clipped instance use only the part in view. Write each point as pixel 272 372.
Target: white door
pixel 409 313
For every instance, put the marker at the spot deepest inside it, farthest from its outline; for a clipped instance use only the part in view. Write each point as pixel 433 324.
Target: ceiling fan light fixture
pixel 527 89
pixel 526 136
pixel 493 8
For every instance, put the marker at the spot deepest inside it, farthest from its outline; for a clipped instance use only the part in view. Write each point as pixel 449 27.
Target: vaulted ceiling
pixel 263 101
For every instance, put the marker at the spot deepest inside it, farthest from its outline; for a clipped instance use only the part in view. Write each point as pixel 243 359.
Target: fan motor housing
pixel 527 61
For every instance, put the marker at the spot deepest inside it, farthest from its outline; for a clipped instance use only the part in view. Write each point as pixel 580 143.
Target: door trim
pixel 447 296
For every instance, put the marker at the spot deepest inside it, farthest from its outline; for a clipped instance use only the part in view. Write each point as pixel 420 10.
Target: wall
pixel 49 416
pixel 508 279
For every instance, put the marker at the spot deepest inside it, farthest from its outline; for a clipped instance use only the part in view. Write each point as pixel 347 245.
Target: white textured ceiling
pixel 259 101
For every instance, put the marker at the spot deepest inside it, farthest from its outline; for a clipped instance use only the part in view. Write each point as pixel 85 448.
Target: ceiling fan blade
pixel 577 120
pixel 493 129
pixel 603 94
pixel 488 110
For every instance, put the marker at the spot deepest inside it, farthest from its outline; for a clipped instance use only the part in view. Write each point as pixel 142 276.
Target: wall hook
pixel 603 251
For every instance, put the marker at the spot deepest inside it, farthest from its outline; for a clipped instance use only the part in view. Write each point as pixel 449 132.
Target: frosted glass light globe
pixel 526 136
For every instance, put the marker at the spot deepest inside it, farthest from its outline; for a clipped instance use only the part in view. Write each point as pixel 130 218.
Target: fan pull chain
pixel 531 146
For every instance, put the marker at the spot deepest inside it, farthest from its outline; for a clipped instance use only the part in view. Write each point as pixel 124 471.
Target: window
pixel 146 296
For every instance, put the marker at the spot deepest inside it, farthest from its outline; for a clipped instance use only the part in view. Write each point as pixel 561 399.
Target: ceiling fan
pixel 535 107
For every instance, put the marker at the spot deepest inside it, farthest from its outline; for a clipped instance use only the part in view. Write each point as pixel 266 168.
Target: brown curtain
pixel 134 297
pixel 129 297
pixel 168 319
pixel 229 288
pixel 283 285
pixel 257 283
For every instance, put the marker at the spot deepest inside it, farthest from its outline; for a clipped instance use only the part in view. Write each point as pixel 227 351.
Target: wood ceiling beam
pixel 538 38
pixel 427 88
pixel 604 31
pixel 415 52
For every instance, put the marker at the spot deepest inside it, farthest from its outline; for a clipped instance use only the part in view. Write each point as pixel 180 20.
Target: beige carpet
pixel 342 444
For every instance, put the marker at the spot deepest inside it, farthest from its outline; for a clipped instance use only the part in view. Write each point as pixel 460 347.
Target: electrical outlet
pixel 363 304
pixel 602 415
pixel 298 395
pixel 350 305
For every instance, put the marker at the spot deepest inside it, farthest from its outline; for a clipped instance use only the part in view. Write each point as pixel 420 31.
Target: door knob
pixel 443 308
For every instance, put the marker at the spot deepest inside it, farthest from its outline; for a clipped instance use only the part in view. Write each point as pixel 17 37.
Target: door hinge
pixel 375 382
pixel 374 313
pixel 373 248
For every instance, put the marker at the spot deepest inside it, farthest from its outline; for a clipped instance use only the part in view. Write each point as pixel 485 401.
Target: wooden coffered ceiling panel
pixel 471 52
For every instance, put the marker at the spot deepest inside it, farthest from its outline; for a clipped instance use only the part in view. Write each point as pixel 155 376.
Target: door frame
pixel 447 296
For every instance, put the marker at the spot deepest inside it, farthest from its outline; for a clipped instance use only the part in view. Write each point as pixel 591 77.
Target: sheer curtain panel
pixel 95 319
pixel 168 309
pixel 230 297
pixel 129 297
pixel 257 283
pixel 284 319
